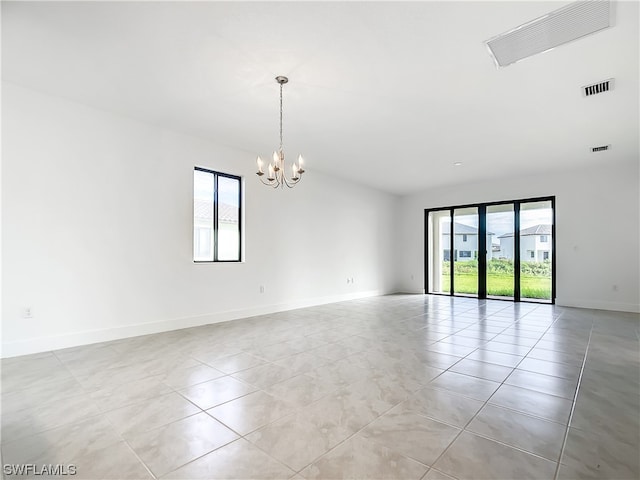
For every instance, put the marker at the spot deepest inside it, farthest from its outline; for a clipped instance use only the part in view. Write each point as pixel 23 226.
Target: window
pixel 544 238
pixel 216 216
pixel 464 237
pixel 532 254
pixel 465 254
pixel 545 255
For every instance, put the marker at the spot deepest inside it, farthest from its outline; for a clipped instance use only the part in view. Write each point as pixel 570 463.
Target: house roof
pixel 204 210
pixel 541 229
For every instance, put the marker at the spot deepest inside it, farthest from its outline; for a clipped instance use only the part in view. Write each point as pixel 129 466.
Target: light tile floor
pixel 400 386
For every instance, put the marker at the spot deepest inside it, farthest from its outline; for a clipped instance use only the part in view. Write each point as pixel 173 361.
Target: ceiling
pixel 386 94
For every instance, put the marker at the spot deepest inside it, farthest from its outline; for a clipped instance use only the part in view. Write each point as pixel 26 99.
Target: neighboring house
pixel 535 244
pixel 465 243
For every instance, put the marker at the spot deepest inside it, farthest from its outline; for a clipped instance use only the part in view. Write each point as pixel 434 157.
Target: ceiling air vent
pixel 601 148
pixel 561 26
pixel 596 88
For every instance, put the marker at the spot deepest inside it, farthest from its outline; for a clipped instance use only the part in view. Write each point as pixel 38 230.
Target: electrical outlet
pixel 27 312
pixel 261 288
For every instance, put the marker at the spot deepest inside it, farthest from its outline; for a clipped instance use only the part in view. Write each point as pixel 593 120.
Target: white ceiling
pixel 387 94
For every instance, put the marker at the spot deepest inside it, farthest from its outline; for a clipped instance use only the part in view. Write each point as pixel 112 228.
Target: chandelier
pixel 276 175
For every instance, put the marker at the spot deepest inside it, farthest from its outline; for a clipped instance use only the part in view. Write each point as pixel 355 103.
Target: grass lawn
pixel 502 285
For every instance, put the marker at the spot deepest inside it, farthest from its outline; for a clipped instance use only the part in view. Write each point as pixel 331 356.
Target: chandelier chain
pixel 281 148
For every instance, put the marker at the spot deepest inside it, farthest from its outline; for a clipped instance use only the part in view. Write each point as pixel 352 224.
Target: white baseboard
pixel 56 342
pixel 598 305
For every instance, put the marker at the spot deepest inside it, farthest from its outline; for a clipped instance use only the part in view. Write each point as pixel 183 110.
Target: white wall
pixel 597 230
pixel 97 231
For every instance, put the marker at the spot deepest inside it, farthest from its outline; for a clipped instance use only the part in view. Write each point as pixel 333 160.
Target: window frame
pixel 216 176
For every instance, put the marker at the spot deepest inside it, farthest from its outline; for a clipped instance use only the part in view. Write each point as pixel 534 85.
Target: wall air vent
pixel 596 88
pixel 561 26
pixel 601 148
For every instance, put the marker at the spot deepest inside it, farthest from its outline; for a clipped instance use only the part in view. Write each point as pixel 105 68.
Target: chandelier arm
pixel 266 183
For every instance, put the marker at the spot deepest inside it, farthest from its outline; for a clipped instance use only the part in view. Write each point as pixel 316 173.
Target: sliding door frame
pixel 482 247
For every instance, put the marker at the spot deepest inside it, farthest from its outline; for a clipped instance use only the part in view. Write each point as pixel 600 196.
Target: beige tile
pixel 600 455
pixel 351 407
pixel 474 457
pixel 210 353
pixel 443 406
pixel 573 359
pixel 116 396
pixel 534 435
pixel 499 358
pixel 559 387
pixel 296 440
pixel 508 348
pixel 450 348
pixel 63 444
pixel 150 414
pixel 39 417
pixel 214 392
pixel 434 474
pixel 412 435
pixel 534 403
pixel 466 385
pixel 340 373
pixel 302 390
pixel 438 360
pixel 115 462
pixel 359 457
pixel 239 460
pixel 561 370
pixel 333 351
pixel 265 375
pixel 23 372
pixel 171 446
pixel 488 371
pixel 236 363
pixel 40 392
pixel 186 376
pixel 248 413
pixel 302 362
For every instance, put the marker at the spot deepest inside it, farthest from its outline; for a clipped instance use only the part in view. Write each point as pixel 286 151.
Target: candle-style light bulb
pixel 294 170
pixel 300 164
pixel 271 172
pixel 276 161
pixel 260 164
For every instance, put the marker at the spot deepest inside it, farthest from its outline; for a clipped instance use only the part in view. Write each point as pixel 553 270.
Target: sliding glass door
pixel 465 251
pixel 500 259
pixel 501 250
pixel 536 252
pixel 439 246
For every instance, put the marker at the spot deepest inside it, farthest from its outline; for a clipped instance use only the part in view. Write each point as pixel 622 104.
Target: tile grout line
pixel 573 405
